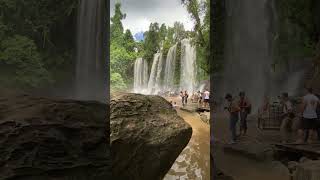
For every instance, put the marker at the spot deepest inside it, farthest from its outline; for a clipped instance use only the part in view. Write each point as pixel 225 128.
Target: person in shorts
pixel 309 116
pixel 206 98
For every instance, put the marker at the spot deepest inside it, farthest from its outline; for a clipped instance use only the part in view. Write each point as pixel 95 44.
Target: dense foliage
pixel 298 29
pixel 37 42
pixel 122 52
pixel 198 9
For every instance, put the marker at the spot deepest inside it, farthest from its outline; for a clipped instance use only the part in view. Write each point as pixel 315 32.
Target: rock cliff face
pixel 51 139
pixel 146 136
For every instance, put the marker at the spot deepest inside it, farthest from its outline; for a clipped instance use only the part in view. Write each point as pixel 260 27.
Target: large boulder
pixel 53 139
pixel 146 136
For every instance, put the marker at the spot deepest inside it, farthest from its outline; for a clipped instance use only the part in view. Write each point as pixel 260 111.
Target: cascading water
pixel 170 68
pixel 140 75
pixel 163 79
pixel 158 76
pixel 247 49
pixel 153 73
pixel 188 66
pixel 249 53
pixel 90 65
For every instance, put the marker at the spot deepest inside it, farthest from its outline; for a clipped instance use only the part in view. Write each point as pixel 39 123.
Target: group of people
pixel 184 97
pixel 238 109
pixel 305 120
pixel 202 98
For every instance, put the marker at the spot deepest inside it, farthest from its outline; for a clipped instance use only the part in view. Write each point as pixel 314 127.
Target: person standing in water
pixel 206 98
pixel 182 97
pixel 233 110
pixel 186 95
pixel 199 99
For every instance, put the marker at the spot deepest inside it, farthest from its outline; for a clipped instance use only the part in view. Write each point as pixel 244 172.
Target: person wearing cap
pixel 245 109
pixel 233 110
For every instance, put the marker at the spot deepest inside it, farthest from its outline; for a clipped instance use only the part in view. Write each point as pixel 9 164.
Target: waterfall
pixel 155 74
pixel 170 68
pixel 248 58
pixel 140 75
pixel 163 71
pixel 188 66
pixel 89 80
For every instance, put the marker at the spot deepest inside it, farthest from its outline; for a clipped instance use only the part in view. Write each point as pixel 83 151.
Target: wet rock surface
pixel 146 136
pixel 254 150
pixel 205 117
pixel 51 139
pixel 308 170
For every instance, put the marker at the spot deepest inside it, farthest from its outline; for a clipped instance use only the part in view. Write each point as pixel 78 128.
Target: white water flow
pixel 248 58
pixel 162 72
pixel 170 68
pixel 89 81
pixel 140 75
pixel 153 74
pixel 188 66
pixel 157 86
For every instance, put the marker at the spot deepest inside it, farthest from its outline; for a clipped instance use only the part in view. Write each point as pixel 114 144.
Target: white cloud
pixel 140 13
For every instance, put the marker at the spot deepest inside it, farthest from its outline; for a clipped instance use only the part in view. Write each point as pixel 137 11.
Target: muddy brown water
pixel 194 161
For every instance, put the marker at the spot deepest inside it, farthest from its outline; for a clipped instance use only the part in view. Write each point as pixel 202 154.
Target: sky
pixel 140 13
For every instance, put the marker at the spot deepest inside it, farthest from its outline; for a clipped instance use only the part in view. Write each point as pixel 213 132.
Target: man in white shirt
pixel 309 115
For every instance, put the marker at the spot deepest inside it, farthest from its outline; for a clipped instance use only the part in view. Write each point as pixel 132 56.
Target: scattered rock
pixel 52 139
pixel 147 136
pixel 292 165
pixel 308 170
pixel 205 117
pixel 280 168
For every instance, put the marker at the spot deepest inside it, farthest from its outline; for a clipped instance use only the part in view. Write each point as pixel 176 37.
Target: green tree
pixel 117 82
pixel 128 42
pixel 201 36
pixel 179 32
pixel 21 63
pixel 163 32
pixel 116 27
pixel 151 41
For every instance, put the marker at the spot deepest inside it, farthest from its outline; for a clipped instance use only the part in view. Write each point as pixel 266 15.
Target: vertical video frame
pixel 160 89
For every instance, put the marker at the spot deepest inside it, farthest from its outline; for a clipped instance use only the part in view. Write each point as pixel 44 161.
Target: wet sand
pixel 194 161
